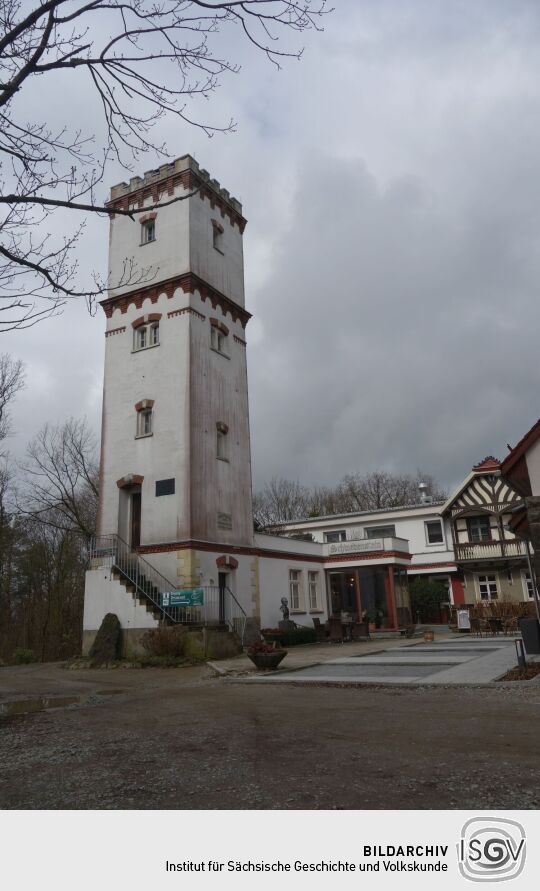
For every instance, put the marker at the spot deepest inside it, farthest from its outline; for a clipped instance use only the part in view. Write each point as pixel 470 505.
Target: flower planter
pixel 267 661
pixel 429 635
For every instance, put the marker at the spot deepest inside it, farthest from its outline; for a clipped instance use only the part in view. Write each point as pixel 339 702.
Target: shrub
pixel 164 642
pixel 21 656
pixel 299 635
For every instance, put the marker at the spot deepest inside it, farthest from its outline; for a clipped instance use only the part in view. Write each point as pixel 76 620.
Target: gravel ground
pixel 183 739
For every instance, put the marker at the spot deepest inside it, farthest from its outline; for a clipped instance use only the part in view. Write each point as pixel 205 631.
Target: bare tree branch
pixel 144 60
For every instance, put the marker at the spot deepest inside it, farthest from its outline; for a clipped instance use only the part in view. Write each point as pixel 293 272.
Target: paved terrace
pixel 449 660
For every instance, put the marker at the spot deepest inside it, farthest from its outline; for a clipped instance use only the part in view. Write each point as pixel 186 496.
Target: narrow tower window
pixel 217 236
pixel 144 411
pixel 219 337
pixel 221 441
pixel 148 231
pixel 146 331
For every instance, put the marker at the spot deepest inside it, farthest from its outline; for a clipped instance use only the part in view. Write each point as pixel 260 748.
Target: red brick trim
pixel 239 340
pixel 191 544
pixel 144 403
pixel 370 555
pixel 115 331
pixel 190 181
pixel 186 309
pixel 131 479
pixel 148 217
pixel 446 566
pixel 189 283
pixel 217 324
pixel 144 320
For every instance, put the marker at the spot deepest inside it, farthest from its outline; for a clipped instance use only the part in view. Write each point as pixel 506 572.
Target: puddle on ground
pixel 40 703
pixel 21 706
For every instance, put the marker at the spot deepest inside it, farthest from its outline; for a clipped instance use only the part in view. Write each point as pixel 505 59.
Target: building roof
pixel 352 514
pixel 521 448
pixel 488 465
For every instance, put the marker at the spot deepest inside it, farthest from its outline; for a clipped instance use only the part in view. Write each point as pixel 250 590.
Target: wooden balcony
pixel 490 550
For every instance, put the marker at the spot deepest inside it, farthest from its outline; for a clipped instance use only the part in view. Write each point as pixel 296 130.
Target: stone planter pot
pixel 267 661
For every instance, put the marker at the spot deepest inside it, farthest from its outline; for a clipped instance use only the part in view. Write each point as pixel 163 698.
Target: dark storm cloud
pixel 391 182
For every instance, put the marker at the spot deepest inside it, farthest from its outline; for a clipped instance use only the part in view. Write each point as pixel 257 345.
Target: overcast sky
pixel 391 183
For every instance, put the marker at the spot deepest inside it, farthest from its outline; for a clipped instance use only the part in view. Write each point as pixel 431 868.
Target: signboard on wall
pixel 355 547
pixel 189 597
pixel 463 620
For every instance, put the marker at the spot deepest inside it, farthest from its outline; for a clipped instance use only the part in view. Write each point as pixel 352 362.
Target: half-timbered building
pixel 492 562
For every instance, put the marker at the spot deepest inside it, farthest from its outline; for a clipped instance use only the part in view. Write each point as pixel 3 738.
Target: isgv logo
pixel 491 849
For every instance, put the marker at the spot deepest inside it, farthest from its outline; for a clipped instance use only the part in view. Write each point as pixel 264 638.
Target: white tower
pixel 175 455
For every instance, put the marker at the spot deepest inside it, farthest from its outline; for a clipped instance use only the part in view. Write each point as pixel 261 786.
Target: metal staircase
pixel 220 608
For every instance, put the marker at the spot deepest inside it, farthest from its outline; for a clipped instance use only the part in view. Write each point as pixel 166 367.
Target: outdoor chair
pixel 360 631
pixel 477 626
pixel 320 631
pixel 510 625
pixel 335 628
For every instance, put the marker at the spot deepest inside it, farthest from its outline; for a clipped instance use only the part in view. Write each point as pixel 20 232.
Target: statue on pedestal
pixel 286 624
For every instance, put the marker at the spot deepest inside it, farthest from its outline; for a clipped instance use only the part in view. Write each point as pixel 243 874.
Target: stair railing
pixel 220 606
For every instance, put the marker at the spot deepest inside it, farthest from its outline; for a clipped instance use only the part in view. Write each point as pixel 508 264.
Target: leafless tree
pixel 142 60
pixel 11 382
pixel 61 478
pixel 381 489
pixel 280 501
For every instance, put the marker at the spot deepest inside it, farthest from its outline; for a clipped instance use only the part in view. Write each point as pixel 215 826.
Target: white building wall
pixel 103 594
pixel 224 271
pixel 141 264
pixel 131 376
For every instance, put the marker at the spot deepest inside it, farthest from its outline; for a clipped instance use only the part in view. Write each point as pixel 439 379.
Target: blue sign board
pixel 189 597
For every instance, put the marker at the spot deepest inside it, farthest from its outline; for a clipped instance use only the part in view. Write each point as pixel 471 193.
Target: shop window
pixel 434 532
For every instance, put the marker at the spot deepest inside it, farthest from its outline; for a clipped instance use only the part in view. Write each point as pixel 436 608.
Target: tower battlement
pixel 163 174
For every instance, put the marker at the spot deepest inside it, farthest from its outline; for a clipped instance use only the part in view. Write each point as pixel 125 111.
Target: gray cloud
pixel 392 263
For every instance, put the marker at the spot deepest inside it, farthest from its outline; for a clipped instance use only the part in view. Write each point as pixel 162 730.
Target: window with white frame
pixel 295 584
pixel 528 584
pixel 479 528
pixel 381 532
pixel 148 231
pixel 487 587
pixel 313 589
pixel 221 441
pixel 144 422
pixel 434 532
pixel 332 537
pixel 219 339
pixel 146 336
